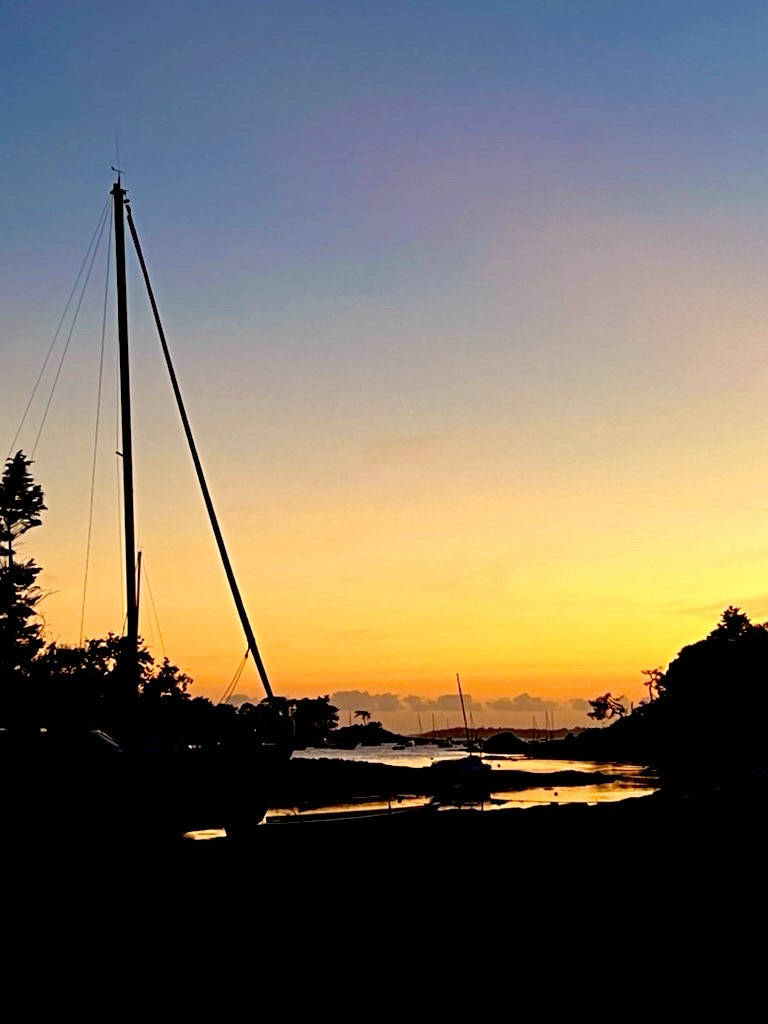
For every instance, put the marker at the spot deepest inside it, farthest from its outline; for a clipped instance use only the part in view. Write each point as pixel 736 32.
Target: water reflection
pixel 604 793
pixel 499 800
pixel 206 833
pixel 542 765
pixel 617 781
pixel 358 808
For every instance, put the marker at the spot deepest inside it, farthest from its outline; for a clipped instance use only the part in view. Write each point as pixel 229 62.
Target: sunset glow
pixel 468 306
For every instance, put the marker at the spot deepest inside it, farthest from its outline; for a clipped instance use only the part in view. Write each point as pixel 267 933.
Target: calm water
pixel 616 781
pixel 425 755
pixel 613 781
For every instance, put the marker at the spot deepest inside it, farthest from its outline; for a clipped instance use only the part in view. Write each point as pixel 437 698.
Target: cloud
pixel 414 703
pixel 522 702
pixel 354 700
pixel 446 702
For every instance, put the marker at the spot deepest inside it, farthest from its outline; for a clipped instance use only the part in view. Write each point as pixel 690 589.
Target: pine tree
pixel 21 503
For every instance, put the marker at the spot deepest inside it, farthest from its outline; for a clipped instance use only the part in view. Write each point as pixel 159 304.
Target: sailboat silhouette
pixel 87 784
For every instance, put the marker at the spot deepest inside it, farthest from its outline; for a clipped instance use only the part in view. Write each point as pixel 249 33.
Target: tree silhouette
pixel 365 715
pixel 314 719
pixel 64 689
pixel 733 625
pixel 606 706
pixel 21 502
pixel 654 681
pixel 311 720
pixel 713 681
pixel 708 714
pixel 20 633
pixel 74 688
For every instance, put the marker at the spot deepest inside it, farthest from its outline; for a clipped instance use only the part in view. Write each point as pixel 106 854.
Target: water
pixel 424 755
pixel 616 781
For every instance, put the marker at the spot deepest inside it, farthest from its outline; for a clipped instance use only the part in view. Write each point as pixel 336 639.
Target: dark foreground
pixel 648 874
pixel 698 843
pixel 715 828
pixel 723 814
pixel 656 876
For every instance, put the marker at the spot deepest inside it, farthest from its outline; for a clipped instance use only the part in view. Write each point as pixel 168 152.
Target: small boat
pixel 465 780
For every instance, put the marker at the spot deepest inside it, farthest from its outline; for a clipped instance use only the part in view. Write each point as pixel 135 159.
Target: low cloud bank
pixel 398 712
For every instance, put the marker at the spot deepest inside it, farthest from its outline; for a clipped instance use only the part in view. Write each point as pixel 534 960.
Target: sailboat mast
pixel 463 711
pixel 131 603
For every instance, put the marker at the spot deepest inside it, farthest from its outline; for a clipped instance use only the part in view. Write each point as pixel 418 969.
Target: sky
pixel 467 303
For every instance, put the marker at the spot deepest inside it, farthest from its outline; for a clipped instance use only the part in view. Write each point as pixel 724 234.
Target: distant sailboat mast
pixel 463 712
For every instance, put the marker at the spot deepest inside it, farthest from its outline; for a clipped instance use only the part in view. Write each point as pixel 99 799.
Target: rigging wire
pixel 139 567
pixel 97 231
pixel 69 336
pixel 235 680
pixel 145 579
pixel 96 434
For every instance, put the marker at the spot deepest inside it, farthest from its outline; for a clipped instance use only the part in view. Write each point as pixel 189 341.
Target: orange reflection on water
pixel 606 792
